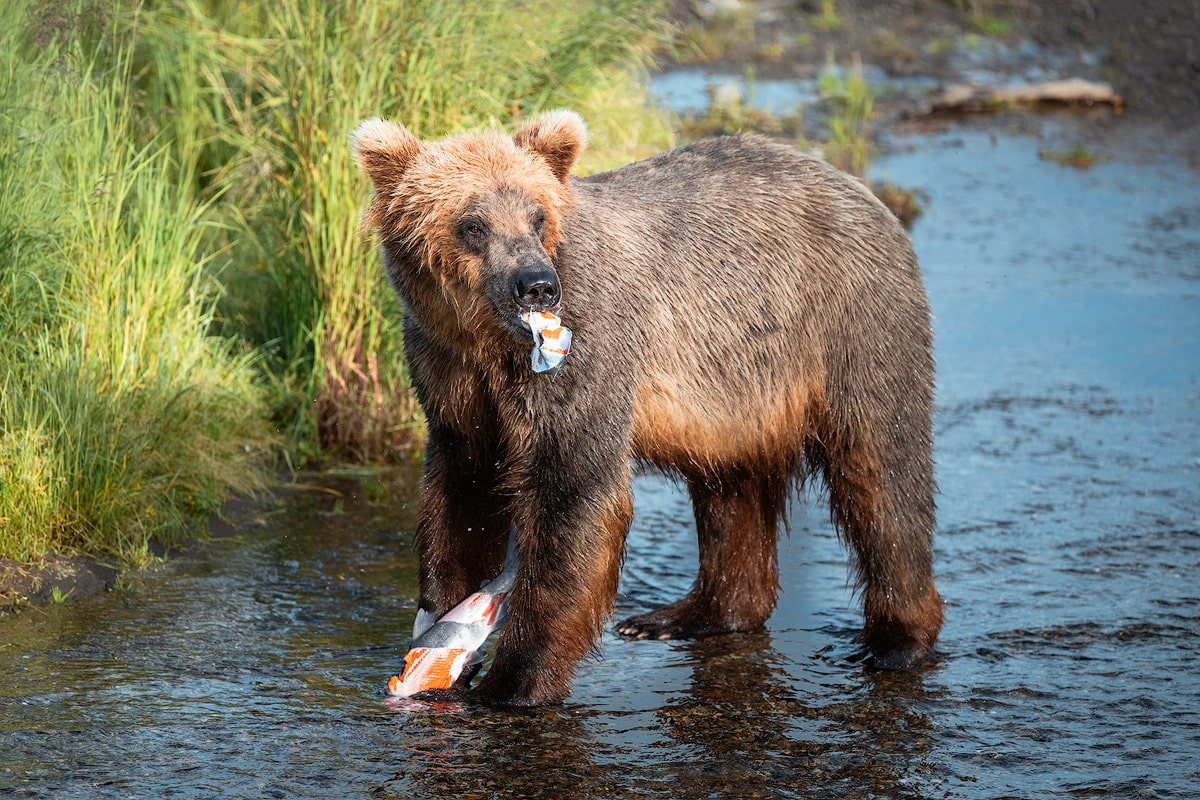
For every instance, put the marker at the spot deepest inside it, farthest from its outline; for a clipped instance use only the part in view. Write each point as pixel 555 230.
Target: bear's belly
pixel 688 425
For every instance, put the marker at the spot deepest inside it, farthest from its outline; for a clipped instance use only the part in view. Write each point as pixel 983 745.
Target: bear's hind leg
pixel 737 517
pixel 884 508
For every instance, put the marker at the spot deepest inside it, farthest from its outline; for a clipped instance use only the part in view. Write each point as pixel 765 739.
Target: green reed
pixel 851 101
pixel 122 418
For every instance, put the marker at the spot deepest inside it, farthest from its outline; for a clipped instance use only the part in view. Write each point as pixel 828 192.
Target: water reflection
pixel 741 725
pixel 746 722
pixel 538 753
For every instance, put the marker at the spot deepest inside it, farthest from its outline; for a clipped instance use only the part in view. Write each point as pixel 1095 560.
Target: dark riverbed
pixel 1067 307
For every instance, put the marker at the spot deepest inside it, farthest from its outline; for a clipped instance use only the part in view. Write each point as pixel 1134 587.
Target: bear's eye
pixel 539 223
pixel 473 233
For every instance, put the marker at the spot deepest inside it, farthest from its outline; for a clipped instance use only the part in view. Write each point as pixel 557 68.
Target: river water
pixel 1067 318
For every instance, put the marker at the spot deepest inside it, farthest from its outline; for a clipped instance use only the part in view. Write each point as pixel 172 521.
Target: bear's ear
pixel 383 150
pixel 558 137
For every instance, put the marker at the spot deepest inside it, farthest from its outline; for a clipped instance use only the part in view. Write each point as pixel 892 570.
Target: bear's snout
pixel 536 287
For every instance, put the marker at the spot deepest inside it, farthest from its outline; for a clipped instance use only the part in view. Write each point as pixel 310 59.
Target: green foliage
pixel 1078 156
pixel 184 276
pixel 121 417
pixel 982 18
pixel 828 18
pixel 851 100
pixel 727 113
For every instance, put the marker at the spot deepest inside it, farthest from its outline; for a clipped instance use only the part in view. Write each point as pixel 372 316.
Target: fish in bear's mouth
pixel 551 340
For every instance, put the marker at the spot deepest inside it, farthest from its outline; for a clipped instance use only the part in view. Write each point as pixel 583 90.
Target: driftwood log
pixel 976 97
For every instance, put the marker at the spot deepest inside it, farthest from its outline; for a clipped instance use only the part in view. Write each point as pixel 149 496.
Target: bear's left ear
pixel 383 150
pixel 558 137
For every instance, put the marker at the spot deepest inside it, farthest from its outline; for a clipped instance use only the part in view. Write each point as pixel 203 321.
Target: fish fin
pixel 423 622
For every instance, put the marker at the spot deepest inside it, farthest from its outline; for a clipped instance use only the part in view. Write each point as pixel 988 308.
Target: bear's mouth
pixel 522 319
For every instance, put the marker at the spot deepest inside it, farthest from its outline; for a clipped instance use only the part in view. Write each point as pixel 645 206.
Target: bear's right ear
pixel 558 137
pixel 383 150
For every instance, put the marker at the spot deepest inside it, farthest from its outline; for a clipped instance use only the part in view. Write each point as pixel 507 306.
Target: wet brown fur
pixel 744 315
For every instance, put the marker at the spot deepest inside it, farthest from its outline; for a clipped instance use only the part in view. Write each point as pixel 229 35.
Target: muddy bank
pixel 64 578
pixel 53 577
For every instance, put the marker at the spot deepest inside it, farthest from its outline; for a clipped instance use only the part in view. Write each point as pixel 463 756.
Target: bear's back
pixel 731 274
pixel 733 212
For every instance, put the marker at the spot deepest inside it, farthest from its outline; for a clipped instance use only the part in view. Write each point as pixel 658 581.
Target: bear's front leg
pixel 572 509
pixel 463 525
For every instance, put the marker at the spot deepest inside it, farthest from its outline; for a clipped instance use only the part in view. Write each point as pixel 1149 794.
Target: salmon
pixel 551 340
pixel 441 650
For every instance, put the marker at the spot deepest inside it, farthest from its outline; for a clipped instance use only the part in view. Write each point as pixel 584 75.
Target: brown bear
pixel 744 316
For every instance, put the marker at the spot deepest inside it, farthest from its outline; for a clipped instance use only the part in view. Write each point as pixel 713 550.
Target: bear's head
pixel 481 215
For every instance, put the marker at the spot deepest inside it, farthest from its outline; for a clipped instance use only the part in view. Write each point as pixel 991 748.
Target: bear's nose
pixel 536 289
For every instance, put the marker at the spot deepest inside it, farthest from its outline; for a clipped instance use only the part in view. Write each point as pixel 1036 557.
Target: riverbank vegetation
pixel 186 299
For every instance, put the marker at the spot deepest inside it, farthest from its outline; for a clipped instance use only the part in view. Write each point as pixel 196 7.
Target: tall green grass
pixel 121 417
pixel 184 286
pixel 852 101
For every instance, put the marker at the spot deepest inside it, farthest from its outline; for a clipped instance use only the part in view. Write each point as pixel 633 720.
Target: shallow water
pixel 1067 307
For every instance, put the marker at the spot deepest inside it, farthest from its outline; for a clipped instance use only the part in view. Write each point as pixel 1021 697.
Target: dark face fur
pixel 504 232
